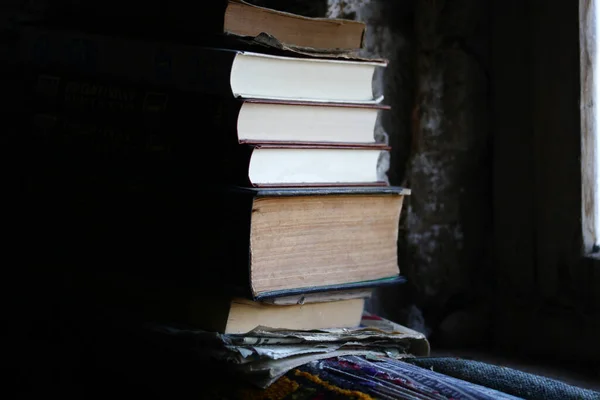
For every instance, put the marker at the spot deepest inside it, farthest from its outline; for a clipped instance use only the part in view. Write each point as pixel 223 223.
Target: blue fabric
pixel 388 378
pixel 507 380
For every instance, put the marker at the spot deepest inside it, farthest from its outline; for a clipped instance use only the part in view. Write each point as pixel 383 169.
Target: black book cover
pixel 204 66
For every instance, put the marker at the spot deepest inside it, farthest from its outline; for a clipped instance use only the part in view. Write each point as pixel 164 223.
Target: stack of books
pixel 237 181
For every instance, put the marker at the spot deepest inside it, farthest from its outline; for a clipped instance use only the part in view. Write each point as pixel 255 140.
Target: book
pixel 303 122
pixel 239 315
pixel 213 71
pixel 209 18
pixel 220 312
pixel 142 301
pixel 243 242
pixel 299 240
pixel 245 19
pixel 293 166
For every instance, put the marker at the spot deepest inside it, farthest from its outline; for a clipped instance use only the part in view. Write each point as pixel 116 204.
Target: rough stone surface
pixel 449 211
pixel 465 328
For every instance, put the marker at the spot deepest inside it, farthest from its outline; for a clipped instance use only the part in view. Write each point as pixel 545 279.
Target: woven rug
pixel 505 379
pixel 364 379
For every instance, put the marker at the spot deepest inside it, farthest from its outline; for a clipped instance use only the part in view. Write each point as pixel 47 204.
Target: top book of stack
pixel 230 49
pixel 206 18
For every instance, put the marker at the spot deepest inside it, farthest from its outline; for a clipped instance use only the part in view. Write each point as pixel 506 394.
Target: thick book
pixel 154 17
pixel 219 312
pixel 213 71
pixel 252 243
pixel 241 316
pixel 238 315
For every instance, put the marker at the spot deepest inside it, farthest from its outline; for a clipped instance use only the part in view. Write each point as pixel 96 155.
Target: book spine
pixel 176 66
pixel 153 119
pixel 94 96
pixel 70 135
pixel 132 151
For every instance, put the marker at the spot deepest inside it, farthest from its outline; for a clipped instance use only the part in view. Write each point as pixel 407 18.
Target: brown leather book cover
pixel 331 35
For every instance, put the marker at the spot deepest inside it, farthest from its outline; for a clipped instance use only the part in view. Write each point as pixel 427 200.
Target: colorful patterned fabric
pixel 362 379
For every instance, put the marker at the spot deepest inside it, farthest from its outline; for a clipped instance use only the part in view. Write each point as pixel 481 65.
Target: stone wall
pixel 449 216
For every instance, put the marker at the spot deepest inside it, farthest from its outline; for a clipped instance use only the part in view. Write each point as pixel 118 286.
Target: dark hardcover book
pixel 193 21
pixel 234 70
pixel 252 243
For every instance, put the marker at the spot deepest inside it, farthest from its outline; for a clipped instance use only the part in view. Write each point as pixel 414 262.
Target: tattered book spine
pixel 103 118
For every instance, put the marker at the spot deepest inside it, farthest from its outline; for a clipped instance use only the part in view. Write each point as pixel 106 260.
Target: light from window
pixel 590 136
pixel 596 137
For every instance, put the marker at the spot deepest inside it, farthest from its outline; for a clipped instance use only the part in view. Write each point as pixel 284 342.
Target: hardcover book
pixel 253 243
pixel 265 73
